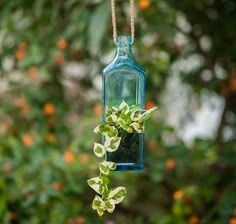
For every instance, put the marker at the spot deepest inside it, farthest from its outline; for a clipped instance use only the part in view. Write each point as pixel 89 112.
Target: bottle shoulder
pixel 128 63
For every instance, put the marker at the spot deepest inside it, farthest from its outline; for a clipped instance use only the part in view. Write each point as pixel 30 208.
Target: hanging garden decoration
pixel 124 119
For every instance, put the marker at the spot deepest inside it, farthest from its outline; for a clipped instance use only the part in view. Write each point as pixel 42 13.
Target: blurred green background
pixel 52 54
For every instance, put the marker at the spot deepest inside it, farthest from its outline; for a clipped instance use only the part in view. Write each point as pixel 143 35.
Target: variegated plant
pixel 121 119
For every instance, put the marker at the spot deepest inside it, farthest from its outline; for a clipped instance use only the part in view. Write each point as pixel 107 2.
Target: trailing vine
pixel 119 119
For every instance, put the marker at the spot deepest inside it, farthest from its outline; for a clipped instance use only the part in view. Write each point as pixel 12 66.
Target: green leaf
pixel 105 180
pixel 108 110
pixel 135 107
pixel 99 205
pixel 96 184
pixel 124 126
pixel 126 118
pixel 110 206
pixel 124 107
pixel 112 144
pixel 115 109
pixel 111 118
pixel 100 211
pixel 148 114
pixel 99 150
pixel 106 130
pixel 104 169
pixel 138 127
pixel 106 166
pixel 111 165
pixel 136 115
pixel 117 195
pixel 97 26
pixel 112 132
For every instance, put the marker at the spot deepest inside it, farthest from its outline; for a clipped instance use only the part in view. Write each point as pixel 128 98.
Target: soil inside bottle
pixel 129 153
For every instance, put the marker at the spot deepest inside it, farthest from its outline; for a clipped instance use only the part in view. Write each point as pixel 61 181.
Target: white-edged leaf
pixel 94 180
pixel 124 126
pixel 99 150
pixel 110 205
pixel 96 184
pixel 104 168
pixel 117 195
pixel 99 205
pixel 124 107
pixel 111 118
pixel 97 129
pixel 138 127
pixel 112 144
pixel 108 110
pixel 112 132
pixel 136 115
pixel 106 130
pixel 115 109
pixel 100 211
pixel 126 118
pixel 148 114
pixel 111 165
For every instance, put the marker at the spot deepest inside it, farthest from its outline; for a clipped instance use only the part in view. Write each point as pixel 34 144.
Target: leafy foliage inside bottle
pixel 121 121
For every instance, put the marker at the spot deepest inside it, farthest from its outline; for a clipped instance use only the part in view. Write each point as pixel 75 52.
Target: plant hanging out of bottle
pixel 121 121
pixel 124 119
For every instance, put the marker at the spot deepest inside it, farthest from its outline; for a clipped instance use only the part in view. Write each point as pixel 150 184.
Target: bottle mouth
pixel 124 41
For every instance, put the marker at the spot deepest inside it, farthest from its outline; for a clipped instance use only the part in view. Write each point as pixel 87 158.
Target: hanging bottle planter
pixel 124 120
pixel 124 80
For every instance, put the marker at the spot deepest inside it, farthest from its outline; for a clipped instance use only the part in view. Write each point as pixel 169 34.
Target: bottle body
pixel 124 80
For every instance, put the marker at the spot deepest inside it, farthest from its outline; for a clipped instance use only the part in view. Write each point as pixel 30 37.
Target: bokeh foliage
pixel 52 54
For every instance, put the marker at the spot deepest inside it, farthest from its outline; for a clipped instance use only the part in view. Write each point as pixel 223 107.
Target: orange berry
pixel 80 220
pixel 6 168
pixel 187 199
pixel 178 195
pixel 170 164
pixel 48 109
pixel 143 4
pixel 27 140
pixel 224 90
pixel 25 109
pixel 13 216
pixel 22 46
pixel 5 128
pixel 26 193
pixel 62 44
pixel 32 71
pixel 83 157
pixel 59 60
pixel 69 221
pixel 69 156
pixel 50 137
pixel 19 55
pixel 233 85
pixel 153 146
pixel 97 109
pixel 234 211
pixel 20 101
pixel 57 186
pixel 149 104
pixel 232 221
pixel 193 220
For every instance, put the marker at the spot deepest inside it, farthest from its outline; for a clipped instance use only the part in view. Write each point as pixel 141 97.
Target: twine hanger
pixel 113 14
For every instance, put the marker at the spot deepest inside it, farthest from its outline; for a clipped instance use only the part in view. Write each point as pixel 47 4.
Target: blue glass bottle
pixel 124 79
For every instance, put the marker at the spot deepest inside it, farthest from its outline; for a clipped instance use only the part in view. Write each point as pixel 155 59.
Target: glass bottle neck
pixel 124 47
